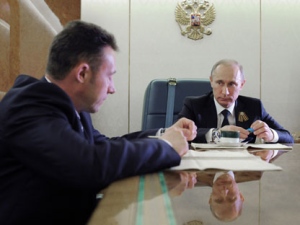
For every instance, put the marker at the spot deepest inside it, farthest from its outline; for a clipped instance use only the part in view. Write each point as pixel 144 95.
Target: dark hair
pixel 78 42
pixel 228 62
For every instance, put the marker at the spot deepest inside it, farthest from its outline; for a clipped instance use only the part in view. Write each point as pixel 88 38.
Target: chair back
pixel 164 98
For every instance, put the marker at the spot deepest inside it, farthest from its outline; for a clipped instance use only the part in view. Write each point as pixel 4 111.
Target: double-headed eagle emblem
pixel 193 16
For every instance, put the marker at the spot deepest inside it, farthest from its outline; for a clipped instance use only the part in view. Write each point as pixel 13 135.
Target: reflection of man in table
pixel 226 200
pixel 267 155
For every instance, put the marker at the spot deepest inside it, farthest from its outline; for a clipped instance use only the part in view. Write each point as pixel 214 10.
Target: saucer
pixel 224 144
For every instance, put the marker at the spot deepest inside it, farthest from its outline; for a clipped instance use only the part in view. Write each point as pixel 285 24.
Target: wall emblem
pixel 193 17
pixel 194 222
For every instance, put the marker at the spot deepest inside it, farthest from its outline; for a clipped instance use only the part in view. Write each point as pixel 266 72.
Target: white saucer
pixel 239 144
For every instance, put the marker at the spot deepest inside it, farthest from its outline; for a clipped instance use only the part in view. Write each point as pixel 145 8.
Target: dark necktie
pixel 225 113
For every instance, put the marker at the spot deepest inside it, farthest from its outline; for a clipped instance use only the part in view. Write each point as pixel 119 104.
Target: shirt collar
pixel 47 79
pixel 220 108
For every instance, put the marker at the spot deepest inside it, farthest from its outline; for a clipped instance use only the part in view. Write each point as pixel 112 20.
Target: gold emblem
pixel 194 222
pixel 193 16
pixel 243 117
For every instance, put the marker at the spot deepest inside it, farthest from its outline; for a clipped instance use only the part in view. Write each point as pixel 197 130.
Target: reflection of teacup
pixel 229 136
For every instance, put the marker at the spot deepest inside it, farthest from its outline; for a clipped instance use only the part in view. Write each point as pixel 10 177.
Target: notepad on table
pixel 224 160
pixel 241 146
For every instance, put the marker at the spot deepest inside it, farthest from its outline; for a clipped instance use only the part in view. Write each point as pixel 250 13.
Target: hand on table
pixel 188 128
pixel 177 140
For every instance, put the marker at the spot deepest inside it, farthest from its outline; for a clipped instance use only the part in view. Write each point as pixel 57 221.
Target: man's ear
pixel 243 83
pixel 242 197
pixel 82 72
pixel 211 81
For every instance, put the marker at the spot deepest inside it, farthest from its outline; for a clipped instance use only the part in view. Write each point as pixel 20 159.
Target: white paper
pixel 256 146
pixel 269 146
pixel 240 160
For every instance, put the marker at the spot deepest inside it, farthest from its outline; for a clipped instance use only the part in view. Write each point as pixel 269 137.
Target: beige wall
pixel 262 35
pixel 27 28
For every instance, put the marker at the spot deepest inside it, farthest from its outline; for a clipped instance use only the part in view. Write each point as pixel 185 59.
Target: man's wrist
pixel 161 131
pixel 275 136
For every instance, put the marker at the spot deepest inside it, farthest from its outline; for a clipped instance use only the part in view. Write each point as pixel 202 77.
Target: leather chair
pixel 164 98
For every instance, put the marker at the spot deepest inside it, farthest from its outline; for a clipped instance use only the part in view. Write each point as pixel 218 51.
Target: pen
pixel 250 130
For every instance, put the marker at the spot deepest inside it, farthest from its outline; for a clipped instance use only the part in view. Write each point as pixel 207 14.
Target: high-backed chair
pixel 164 98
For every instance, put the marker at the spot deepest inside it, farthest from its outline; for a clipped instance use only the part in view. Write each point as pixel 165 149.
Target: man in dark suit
pixel 225 109
pixel 53 163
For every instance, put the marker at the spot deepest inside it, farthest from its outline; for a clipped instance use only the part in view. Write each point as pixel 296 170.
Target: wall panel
pixel 262 35
pixel 280 61
pixel 112 15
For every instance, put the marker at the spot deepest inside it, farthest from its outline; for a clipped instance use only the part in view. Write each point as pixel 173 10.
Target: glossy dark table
pixel 182 198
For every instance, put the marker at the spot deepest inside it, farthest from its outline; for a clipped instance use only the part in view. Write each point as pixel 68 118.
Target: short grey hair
pixel 227 62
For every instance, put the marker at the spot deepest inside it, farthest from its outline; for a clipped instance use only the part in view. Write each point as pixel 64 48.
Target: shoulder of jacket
pixel 248 99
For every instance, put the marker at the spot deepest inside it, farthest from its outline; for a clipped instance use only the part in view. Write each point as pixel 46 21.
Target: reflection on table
pixel 207 197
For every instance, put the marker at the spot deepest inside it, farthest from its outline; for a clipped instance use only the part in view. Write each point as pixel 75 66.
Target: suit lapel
pixel 87 128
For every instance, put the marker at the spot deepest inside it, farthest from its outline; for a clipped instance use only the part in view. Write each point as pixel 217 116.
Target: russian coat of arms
pixel 193 17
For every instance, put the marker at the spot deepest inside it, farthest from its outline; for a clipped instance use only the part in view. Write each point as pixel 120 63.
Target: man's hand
pixel 179 181
pixel 177 140
pixel 265 155
pixel 188 128
pixel 262 130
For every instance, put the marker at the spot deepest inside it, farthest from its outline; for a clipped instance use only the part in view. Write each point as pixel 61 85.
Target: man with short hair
pixel 53 163
pixel 225 109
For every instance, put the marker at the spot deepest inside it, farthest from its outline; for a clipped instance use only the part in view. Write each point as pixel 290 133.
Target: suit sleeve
pixel 284 135
pixel 41 138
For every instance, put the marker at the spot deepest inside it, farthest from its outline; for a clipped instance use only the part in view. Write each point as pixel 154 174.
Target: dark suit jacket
pixel 50 172
pixel 202 111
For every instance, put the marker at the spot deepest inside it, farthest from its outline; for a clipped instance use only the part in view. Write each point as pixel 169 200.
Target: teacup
pixel 229 136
